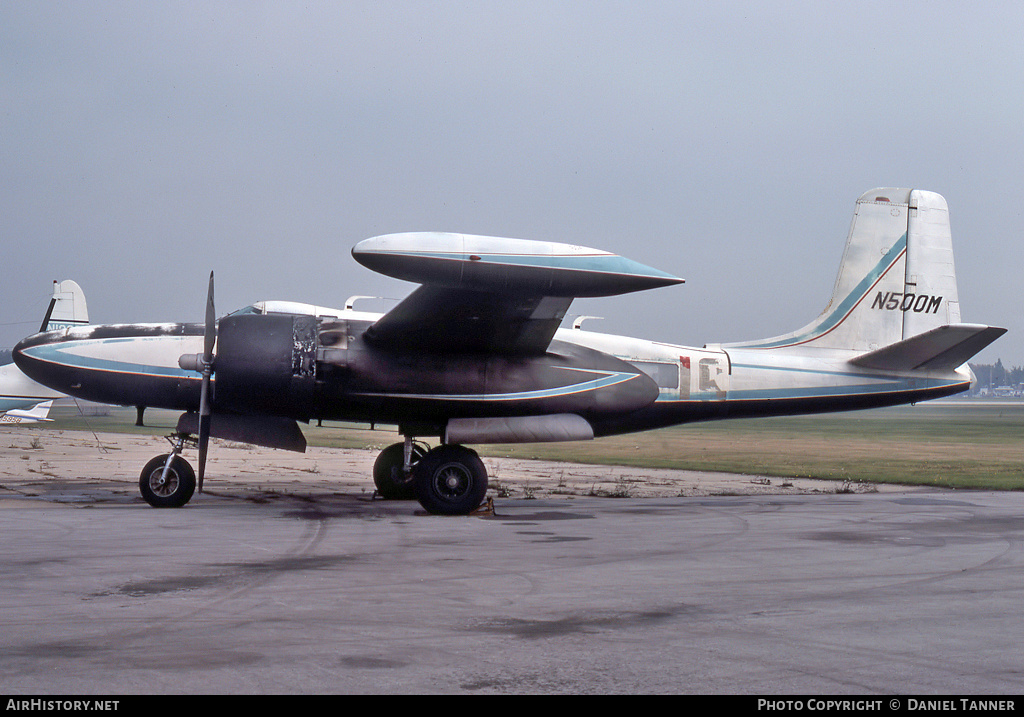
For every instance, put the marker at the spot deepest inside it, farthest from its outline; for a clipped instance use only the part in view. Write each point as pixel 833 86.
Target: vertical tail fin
pixel 896 279
pixel 67 307
pixel 35 414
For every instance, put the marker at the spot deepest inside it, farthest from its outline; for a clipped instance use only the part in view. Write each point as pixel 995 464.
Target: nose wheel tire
pixel 450 480
pixel 174 491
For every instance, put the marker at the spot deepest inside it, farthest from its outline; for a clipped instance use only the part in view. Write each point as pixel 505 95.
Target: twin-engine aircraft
pixel 22 400
pixel 475 355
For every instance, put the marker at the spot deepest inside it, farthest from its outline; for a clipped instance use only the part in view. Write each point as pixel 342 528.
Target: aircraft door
pixel 712 376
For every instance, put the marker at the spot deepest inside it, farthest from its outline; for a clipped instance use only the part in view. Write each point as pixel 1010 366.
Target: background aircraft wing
pixel 488 294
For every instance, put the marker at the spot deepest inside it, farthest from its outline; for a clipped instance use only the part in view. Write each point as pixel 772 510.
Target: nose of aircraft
pixel 129 364
pixel 35 357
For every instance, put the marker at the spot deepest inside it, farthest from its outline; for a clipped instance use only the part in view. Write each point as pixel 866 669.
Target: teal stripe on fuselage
pixel 898 386
pixel 61 354
pixel 843 309
pixel 775 394
pixel 610 378
pixel 815 371
pixel 881 384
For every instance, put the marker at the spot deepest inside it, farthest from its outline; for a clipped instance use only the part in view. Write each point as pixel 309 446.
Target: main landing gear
pixel 447 480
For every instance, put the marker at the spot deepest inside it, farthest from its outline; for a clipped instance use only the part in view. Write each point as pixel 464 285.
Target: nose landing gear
pixel 168 481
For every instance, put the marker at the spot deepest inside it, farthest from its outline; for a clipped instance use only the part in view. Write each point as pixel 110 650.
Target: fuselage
pixel 721 381
pixel 317 365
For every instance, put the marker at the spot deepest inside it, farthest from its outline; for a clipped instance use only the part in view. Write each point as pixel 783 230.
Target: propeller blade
pixel 209 340
pixel 204 436
pixel 210 336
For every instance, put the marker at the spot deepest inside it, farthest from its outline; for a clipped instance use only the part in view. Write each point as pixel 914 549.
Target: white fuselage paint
pixel 711 373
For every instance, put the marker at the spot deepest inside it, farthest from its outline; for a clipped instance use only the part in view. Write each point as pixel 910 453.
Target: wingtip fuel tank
pixel 496 264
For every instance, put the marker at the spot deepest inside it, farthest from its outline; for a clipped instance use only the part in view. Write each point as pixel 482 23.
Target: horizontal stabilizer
pixel 942 348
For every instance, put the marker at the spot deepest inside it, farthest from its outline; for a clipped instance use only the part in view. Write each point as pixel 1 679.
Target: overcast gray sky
pixel 144 144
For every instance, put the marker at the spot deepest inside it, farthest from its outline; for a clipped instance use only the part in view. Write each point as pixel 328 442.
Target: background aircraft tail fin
pixel 37 413
pixel 896 282
pixel 67 307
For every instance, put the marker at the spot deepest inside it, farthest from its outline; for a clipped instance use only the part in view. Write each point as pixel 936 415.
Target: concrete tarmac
pixel 287 582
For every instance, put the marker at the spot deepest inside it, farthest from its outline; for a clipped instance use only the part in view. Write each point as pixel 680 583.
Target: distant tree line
pixel 993 375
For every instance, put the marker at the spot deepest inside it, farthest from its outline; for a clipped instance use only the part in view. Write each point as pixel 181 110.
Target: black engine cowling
pixel 266 364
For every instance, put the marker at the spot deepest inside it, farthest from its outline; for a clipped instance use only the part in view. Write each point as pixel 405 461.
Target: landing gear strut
pixel 168 481
pixel 393 470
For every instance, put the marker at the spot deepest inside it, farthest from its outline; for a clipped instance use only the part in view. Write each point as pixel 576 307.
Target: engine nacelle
pixel 395 386
pixel 266 364
pixel 303 367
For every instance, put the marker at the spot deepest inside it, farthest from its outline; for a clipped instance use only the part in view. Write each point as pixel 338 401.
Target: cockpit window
pixel 245 311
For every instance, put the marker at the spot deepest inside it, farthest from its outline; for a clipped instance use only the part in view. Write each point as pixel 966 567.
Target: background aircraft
pixel 22 400
pixel 475 355
pixel 37 414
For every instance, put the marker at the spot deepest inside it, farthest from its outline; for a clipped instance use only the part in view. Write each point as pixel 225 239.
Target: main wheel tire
pixel 176 491
pixel 450 480
pixel 391 481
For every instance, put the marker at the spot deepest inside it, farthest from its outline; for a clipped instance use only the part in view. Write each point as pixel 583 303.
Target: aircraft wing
pixel 489 294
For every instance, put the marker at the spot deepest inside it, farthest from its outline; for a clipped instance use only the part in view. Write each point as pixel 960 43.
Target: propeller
pixel 203 363
pixel 209 339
